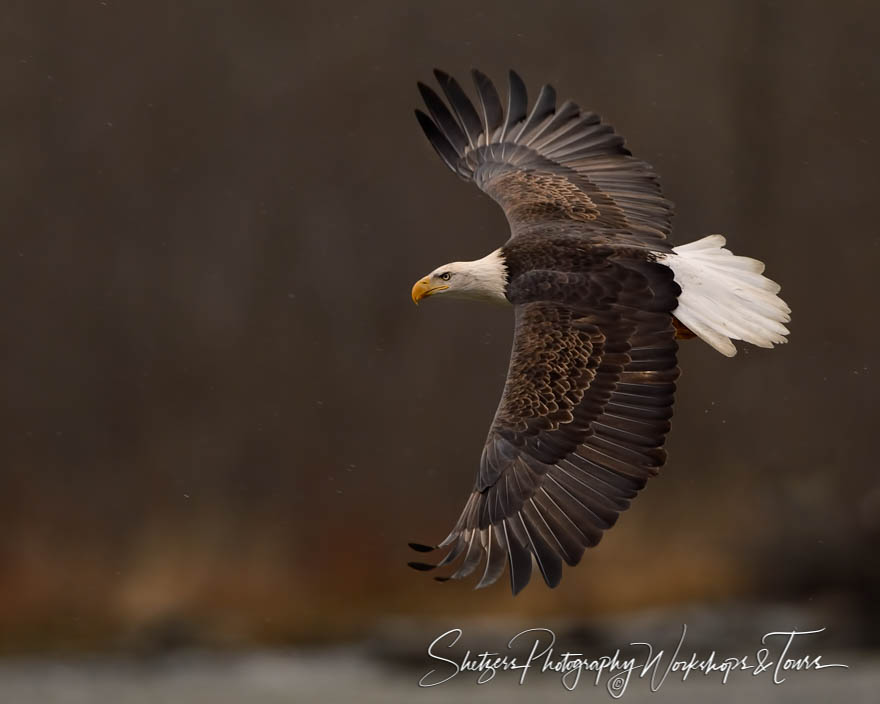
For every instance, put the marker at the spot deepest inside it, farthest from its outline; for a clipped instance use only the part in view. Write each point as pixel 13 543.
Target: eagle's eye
pixel 445 276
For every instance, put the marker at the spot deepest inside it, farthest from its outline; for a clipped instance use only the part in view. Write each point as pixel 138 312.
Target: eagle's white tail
pixel 725 297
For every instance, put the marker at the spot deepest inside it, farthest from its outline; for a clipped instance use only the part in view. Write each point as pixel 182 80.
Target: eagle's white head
pixel 482 280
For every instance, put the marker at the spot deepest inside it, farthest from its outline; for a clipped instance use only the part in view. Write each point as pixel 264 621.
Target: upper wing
pixel 546 165
pixel 581 423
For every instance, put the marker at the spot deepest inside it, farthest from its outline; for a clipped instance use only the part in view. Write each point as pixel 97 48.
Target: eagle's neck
pixel 487 278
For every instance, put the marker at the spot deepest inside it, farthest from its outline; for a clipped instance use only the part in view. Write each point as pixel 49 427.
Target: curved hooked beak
pixel 423 289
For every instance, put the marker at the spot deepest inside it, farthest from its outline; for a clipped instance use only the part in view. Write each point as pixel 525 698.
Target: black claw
pixel 421 566
pixel 418 547
pixel 442 579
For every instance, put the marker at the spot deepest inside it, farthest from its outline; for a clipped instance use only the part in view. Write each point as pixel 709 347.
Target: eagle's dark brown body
pixel 585 410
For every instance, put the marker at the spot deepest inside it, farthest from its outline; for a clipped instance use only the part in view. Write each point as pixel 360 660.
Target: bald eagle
pixel 599 297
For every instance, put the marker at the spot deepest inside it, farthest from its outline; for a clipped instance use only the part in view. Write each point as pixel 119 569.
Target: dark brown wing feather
pixel 546 165
pixel 581 423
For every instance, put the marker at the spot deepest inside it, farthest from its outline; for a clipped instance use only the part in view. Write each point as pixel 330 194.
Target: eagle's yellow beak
pixel 423 289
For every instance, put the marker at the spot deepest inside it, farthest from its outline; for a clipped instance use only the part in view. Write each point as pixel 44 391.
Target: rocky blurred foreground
pixel 388 666
pixel 340 675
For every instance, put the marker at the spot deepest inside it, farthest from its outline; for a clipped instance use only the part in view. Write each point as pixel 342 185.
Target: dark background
pixel 223 416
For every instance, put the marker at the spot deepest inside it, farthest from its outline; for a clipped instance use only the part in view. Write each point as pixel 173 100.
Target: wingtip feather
pixel 421 566
pixel 419 547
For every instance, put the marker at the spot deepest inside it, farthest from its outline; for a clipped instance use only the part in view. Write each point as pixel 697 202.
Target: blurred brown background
pixel 224 418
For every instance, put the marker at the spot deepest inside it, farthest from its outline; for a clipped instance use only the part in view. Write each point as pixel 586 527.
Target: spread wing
pixel 581 423
pixel 546 166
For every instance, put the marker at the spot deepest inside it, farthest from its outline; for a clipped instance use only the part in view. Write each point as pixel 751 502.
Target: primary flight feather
pixel 599 298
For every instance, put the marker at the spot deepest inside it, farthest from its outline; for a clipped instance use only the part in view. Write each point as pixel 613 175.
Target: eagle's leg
pixel 681 331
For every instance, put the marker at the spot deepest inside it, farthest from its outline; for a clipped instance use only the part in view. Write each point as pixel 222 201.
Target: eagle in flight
pixel 600 297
